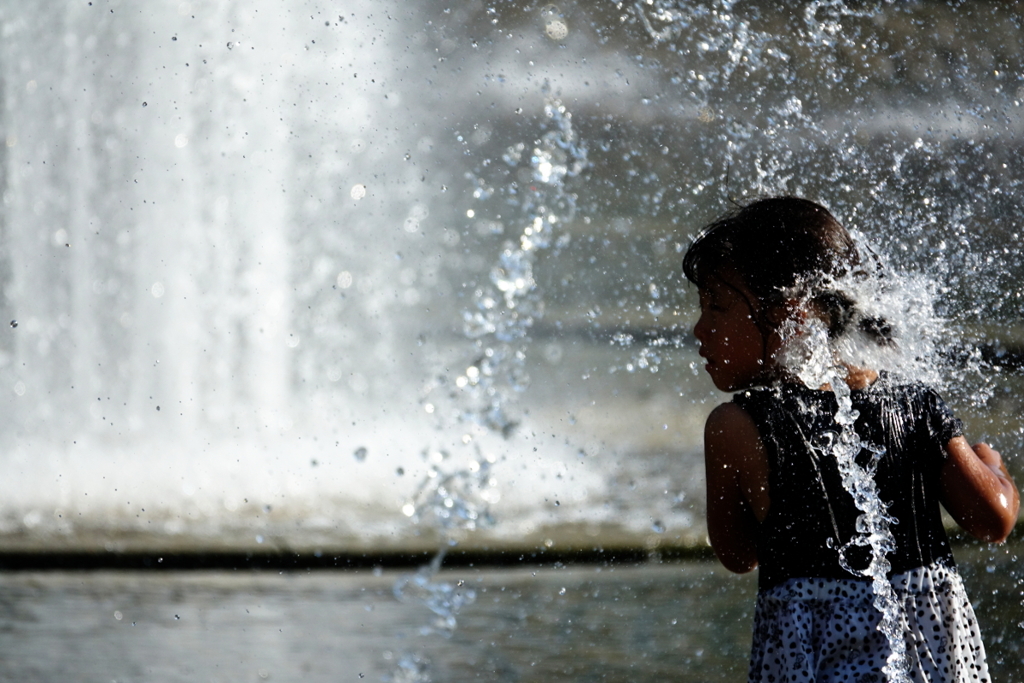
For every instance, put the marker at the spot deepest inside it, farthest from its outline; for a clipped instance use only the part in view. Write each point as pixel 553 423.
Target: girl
pixel 769 275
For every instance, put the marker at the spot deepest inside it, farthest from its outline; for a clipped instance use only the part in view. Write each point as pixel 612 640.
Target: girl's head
pixel 758 267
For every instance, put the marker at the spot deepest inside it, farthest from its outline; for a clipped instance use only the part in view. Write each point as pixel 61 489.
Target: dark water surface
pixel 658 621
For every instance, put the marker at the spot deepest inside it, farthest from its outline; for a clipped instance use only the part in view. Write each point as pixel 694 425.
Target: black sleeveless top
pixel 811 515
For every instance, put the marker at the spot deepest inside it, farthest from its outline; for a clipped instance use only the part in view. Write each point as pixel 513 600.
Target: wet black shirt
pixel 811 515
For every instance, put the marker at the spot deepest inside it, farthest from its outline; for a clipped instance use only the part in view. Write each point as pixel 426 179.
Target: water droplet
pixel 14 323
pixel 555 26
pixel 657 527
pixel 360 454
pixel 145 104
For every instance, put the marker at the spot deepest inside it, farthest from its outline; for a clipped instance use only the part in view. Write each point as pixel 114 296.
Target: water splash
pixel 816 360
pixel 454 500
pixel 809 354
pixel 506 308
pixel 445 599
pixel 792 140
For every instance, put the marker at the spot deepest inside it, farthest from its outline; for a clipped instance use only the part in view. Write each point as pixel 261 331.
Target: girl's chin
pixel 721 383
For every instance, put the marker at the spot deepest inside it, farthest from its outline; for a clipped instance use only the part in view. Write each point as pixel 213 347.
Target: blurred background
pixel 361 278
pixel 251 252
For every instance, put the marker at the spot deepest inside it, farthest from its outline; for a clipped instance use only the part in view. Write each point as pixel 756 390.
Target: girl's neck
pixel 860 378
pixel 856 378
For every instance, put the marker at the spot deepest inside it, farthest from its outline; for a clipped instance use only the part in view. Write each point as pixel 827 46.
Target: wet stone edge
pixel 81 560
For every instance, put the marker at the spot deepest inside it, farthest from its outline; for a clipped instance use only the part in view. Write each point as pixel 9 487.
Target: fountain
pixel 242 342
pixel 345 281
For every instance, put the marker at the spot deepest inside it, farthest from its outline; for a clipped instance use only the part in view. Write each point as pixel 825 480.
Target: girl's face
pixel 734 346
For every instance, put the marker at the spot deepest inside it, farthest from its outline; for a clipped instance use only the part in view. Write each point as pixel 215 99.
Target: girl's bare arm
pixel 737 478
pixel 978 491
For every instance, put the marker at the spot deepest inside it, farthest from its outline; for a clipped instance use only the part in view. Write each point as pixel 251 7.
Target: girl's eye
pixel 712 303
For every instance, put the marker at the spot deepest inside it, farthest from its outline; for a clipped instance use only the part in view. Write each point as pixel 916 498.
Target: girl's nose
pixel 700 329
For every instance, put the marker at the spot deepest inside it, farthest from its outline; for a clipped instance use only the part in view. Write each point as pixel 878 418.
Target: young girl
pixel 768 275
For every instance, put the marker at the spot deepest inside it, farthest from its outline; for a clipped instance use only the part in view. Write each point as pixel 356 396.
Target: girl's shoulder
pixel 756 402
pixel 757 395
pixel 770 397
pixel 905 401
pixel 916 396
pixel 913 402
pixel 777 404
pixel 886 386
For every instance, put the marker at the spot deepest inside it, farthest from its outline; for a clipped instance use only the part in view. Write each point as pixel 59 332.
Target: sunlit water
pixel 406 276
pixel 681 622
pixel 241 256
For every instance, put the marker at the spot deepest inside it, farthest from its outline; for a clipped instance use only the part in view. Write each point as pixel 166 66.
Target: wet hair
pixel 782 247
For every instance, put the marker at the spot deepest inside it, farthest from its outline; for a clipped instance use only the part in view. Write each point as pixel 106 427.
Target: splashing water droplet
pixel 809 355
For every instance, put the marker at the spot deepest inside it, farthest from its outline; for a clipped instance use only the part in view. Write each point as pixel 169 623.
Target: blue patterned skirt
pixel 825 631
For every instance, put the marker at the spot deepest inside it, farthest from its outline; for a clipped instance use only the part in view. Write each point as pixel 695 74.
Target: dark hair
pixel 779 244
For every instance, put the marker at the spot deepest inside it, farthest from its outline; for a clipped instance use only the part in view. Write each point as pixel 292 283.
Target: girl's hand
pixel 978 491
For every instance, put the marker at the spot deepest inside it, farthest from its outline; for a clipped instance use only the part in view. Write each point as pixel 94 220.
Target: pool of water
pixel 685 621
